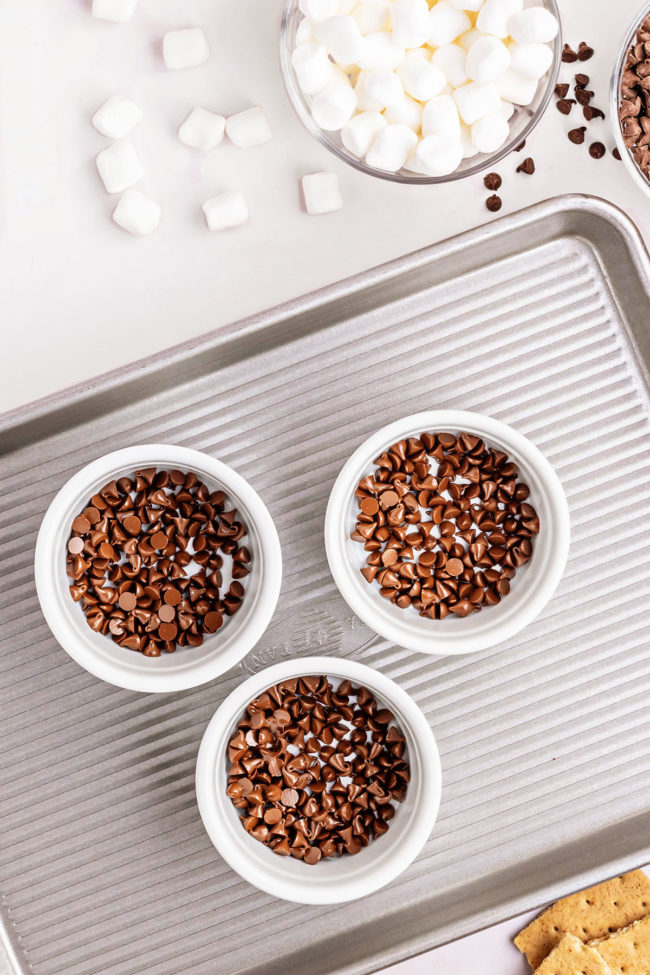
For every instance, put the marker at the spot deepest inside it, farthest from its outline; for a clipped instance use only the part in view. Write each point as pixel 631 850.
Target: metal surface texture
pixel 539 319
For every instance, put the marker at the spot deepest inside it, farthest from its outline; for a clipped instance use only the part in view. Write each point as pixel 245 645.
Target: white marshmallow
pixel 249 128
pixel 316 10
pixel 305 32
pixel 531 60
pixel 334 106
pixel 472 5
pixel 446 23
pixel 440 117
pixel 468 38
pixel 202 129
pixel 494 15
pixel 185 48
pixel 477 99
pixel 487 59
pixel 507 109
pixel 438 155
pixel 346 6
pixel 119 167
pixel 421 78
pixel 452 60
pixel 490 132
pixel 407 112
pixel 370 15
pixel 410 22
pixel 383 88
pixel 391 148
pixel 342 38
pixel 380 51
pixel 226 210
pixel 117 116
pixel 360 132
pixel 515 88
pixel 119 11
pixel 469 149
pixel 137 213
pixel 321 193
pixel 535 25
pixel 312 66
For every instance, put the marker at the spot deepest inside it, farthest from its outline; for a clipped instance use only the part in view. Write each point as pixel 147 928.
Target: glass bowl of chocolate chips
pixel 157 567
pixel 447 532
pixel 630 99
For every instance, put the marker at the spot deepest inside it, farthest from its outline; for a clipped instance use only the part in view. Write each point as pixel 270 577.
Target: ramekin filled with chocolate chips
pixel 447 532
pixel 157 567
pixel 318 780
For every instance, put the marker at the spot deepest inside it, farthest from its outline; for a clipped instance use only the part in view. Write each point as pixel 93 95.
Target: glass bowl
pixel 615 97
pixel 522 122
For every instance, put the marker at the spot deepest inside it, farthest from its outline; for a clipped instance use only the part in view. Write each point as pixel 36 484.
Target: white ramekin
pixel 533 584
pixel 338 879
pixel 188 666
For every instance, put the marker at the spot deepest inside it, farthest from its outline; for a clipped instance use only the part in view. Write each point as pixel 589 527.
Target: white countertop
pixel 79 297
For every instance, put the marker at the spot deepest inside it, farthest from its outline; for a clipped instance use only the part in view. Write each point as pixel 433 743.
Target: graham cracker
pixel 627 950
pixel 589 914
pixel 572 957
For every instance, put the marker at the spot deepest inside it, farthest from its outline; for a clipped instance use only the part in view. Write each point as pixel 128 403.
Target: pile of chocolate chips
pixel 145 556
pixel 634 106
pixel 448 538
pixel 315 770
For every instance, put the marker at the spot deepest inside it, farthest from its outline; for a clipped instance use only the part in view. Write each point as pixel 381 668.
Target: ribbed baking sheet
pixel 540 320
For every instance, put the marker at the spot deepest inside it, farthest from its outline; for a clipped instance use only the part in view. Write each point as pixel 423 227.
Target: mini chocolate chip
pixel 521 146
pixel 562 90
pixel 564 105
pixel 581 80
pixel 492 181
pixel 597 150
pixel 585 52
pixel 616 154
pixel 583 96
pixel 590 113
pixel 577 136
pixel 527 166
pixel 494 203
pixel 568 55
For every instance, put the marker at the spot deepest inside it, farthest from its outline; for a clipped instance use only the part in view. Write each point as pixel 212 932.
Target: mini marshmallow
pixel 226 210
pixel 469 149
pixel 370 15
pixel 490 132
pixel 360 132
pixel 471 5
pixel 440 117
pixel 408 112
pixel 507 109
pixel 535 25
pixel 410 22
pixel 312 66
pixel 487 59
pixel 249 128
pixel 334 106
pixel 452 60
pixel 341 37
pixel 468 38
pixel 421 78
pixel 531 60
pixel 438 155
pixel 202 129
pixel 321 193
pixel 119 167
pixel 116 117
pixel 380 51
pixel 185 48
pixel 446 23
pixel 383 88
pixel 137 213
pixel 391 148
pixel 316 10
pixel 305 32
pixel 515 88
pixel 476 100
pixel 494 15
pixel 119 11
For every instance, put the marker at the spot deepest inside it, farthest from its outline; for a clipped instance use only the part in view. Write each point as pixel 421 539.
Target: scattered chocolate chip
pixel 590 113
pixel 581 80
pixel 522 145
pixel 616 154
pixel 527 166
pixel 597 150
pixel 562 90
pixel 585 52
pixel 583 96
pixel 564 105
pixel 568 55
pixel 577 136
pixel 492 181
pixel 494 203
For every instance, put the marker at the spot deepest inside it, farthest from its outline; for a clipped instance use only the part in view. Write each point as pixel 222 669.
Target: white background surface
pixel 78 296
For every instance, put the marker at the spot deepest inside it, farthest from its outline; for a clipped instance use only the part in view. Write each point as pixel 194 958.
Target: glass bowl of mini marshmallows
pixel 420 91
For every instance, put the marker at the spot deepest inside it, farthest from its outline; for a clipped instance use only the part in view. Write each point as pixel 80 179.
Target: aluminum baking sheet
pixel 539 319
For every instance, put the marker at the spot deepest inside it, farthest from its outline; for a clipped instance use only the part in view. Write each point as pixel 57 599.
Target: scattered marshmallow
pixel 535 25
pixel 334 106
pixel 391 148
pixel 119 167
pixel 341 37
pixel 360 132
pixel 117 117
pixel 226 210
pixel 185 48
pixel 477 99
pixel 487 59
pixel 202 129
pixel 321 193
pixel 531 60
pixel 494 16
pixel 516 88
pixel 452 61
pixel 137 213
pixel 119 11
pixel 370 15
pixel 312 66
pixel 406 112
pixel 249 128
pixel 440 117
pixel 446 23
pixel 410 22
pixel 490 132
pixel 438 155
pixel 316 10
pixel 421 78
